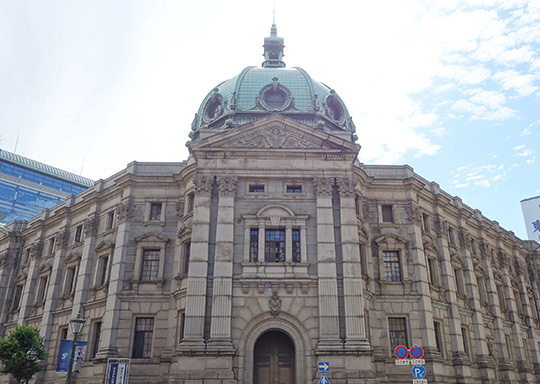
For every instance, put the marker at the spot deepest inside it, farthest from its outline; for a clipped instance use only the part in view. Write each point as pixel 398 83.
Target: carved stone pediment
pixel 431 248
pixel 390 240
pixel 456 259
pixel 44 269
pixel 151 237
pixel 104 246
pixel 72 258
pixel 276 133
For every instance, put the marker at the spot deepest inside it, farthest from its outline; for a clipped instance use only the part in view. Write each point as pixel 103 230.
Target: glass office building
pixel 27 186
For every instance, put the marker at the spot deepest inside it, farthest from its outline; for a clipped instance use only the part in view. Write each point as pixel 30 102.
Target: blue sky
pixel 449 87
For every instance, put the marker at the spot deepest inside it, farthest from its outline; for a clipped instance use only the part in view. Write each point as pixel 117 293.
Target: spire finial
pixel 273 47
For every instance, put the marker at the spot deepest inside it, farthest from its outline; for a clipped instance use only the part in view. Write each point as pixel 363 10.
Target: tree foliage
pixel 13 350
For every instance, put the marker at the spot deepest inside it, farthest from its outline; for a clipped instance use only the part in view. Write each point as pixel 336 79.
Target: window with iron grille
pixel 150 264
pixel 142 340
pixel 254 245
pixel 392 266
pixel 296 245
pixel 275 245
pixel 397 327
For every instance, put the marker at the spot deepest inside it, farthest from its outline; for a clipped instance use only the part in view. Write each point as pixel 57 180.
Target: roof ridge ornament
pixel 273 49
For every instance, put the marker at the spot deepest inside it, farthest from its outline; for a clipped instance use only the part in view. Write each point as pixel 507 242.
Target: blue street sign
pixel 419 372
pixel 324 366
pixel 324 379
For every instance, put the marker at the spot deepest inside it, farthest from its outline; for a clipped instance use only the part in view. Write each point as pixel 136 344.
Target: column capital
pixel 203 184
pixel 124 212
pixel 226 185
pixel 346 186
pixel 91 226
pixel 323 186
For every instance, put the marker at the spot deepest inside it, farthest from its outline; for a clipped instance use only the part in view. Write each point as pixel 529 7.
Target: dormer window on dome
pixel 214 106
pixel 334 109
pixel 275 97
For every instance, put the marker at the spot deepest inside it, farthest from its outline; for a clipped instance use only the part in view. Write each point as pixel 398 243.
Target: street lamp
pixel 31 356
pixel 76 326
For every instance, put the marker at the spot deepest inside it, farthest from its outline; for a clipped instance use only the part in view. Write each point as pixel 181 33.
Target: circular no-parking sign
pixel 416 352
pixel 401 352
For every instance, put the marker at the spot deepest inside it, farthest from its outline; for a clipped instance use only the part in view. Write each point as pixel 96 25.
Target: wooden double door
pixel 274 359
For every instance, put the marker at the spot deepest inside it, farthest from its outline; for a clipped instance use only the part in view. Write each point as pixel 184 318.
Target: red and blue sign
pixel 401 352
pixel 416 352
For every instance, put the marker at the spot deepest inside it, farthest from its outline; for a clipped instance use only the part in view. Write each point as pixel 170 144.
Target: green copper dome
pixel 258 92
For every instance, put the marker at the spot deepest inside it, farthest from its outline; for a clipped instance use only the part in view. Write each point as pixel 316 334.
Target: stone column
pixel 220 328
pixel 326 266
pixel 480 346
pixel 86 264
pixel 198 265
pixel 420 277
pixel 109 326
pixel 55 286
pixel 503 366
pixel 27 298
pixel 355 331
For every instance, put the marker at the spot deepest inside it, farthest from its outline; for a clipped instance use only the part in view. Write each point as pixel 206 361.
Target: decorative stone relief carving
pixel 180 209
pixel 464 239
pixel 503 259
pixel 8 258
pixel 91 226
pixel 36 249
pixel 227 185
pixel 62 239
pixel 203 184
pixel 323 186
pixel 346 186
pixel 275 304
pixel 414 215
pixel 440 226
pixel 124 212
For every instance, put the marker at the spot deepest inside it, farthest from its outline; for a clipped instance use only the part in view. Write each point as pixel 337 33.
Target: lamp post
pixel 31 356
pixel 76 326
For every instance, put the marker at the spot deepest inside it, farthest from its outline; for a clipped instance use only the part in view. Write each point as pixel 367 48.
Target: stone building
pixel 272 248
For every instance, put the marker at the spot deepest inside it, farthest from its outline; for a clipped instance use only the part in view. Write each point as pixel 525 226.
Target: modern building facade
pixel 28 186
pixel 272 248
pixel 531 214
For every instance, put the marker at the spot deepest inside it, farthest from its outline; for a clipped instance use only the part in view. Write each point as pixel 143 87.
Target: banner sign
pixel 65 354
pixel 117 371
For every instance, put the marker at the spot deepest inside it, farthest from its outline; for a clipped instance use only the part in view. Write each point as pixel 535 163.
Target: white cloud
pixel 519 147
pixel 512 80
pixel 465 185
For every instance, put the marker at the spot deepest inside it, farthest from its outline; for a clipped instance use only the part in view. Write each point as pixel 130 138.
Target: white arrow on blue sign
pixel 324 366
pixel 324 379
pixel 419 372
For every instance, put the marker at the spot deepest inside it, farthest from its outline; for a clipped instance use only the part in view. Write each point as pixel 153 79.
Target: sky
pixel 451 88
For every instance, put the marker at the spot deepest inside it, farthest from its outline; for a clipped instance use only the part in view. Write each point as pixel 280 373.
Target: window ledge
pixel 275 270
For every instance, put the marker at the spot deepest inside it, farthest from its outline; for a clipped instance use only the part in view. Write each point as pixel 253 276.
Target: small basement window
pixel 294 189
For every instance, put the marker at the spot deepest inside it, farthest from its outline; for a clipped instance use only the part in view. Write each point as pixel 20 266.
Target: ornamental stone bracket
pixel 203 184
pixel 124 212
pixel 346 186
pixel 227 185
pixel 323 186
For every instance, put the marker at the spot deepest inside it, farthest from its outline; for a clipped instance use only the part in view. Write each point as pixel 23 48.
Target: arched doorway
pixel 274 359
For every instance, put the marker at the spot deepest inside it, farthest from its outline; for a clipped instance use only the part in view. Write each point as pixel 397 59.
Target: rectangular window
pixel 519 306
pixel 459 281
pixel 181 322
pixel 432 265
pixel 502 300
pixel 101 277
pixel 451 235
pixel 155 211
pixel 296 245
pixel 42 289
pixel 17 297
pixel 70 280
pixel 190 202
pixel 275 245
pixel 253 245
pixel 387 214
pixel 78 233
pixel 110 220
pixel 398 332
pixel 363 261
pixel 52 242
pixel 465 336
pixel 481 289
pixel 96 334
pixel 425 222
pixel 142 341
pixel 392 266
pixel 508 347
pixel 294 189
pixel 187 254
pixel 256 188
pixel 437 327
pixel 150 264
